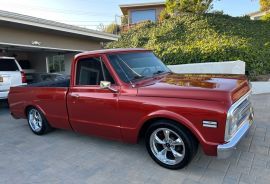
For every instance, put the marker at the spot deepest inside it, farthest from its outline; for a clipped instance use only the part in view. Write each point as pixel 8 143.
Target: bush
pixel 192 38
pixel 266 17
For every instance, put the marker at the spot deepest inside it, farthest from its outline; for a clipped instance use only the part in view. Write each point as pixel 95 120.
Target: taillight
pixel 23 77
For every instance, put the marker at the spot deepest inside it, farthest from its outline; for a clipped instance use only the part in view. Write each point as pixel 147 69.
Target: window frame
pixel 141 10
pixel 102 60
pixel 48 63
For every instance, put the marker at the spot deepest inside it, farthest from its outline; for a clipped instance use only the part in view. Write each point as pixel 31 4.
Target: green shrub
pixel 266 17
pixel 192 38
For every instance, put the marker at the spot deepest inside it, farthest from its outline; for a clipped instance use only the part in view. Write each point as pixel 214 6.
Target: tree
pixel 189 6
pixel 112 28
pixel 101 27
pixel 265 5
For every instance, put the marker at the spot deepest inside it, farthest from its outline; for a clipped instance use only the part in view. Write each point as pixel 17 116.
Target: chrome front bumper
pixel 226 150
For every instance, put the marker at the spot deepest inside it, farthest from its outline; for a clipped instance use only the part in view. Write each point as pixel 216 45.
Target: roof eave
pixel 141 4
pixel 47 24
pixel 124 7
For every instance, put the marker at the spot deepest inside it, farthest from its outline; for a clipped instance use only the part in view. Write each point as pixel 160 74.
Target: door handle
pixel 75 96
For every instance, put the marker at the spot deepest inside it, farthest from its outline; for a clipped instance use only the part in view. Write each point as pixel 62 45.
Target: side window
pixel 91 71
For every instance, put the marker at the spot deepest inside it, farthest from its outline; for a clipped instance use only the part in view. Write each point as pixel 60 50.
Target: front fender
pixel 209 148
pixel 165 114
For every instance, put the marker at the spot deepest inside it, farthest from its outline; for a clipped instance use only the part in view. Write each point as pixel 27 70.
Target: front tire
pixel 170 145
pixel 37 122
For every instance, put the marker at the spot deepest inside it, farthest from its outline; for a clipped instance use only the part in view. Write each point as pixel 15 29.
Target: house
pixel 135 13
pixel 48 46
pixel 257 15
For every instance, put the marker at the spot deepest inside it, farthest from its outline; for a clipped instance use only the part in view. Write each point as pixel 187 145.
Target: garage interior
pixel 40 60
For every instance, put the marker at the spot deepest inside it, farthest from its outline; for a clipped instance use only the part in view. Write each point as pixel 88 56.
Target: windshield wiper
pixel 137 77
pixel 158 72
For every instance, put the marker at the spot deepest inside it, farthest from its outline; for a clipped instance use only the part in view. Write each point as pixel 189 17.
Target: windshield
pixel 135 66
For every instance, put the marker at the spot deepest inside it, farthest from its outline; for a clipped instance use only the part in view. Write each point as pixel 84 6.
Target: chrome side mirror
pixel 107 85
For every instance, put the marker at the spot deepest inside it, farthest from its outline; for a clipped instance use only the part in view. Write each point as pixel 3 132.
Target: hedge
pixel 191 38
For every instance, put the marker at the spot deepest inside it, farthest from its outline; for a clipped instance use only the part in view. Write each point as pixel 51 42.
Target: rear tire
pixel 37 122
pixel 170 145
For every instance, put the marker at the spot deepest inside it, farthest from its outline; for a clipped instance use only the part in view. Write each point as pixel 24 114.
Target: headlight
pixel 238 112
pixel 233 124
pixel 232 120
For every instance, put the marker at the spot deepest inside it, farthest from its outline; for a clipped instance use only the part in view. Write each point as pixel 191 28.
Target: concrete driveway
pixel 66 157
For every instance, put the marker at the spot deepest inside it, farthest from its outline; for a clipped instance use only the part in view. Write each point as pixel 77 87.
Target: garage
pixel 44 46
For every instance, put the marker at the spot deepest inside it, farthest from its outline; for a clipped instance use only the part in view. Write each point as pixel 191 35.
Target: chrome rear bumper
pixel 4 94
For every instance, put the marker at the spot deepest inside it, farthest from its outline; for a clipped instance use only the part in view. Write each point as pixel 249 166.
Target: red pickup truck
pixel 126 94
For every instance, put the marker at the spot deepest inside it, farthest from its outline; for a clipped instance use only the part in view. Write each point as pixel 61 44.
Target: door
pixel 93 110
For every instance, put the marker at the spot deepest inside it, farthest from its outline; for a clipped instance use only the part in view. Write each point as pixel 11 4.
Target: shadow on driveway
pixel 3 105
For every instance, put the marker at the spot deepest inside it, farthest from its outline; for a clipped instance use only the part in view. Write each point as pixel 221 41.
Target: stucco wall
pixel 47 39
pixel 17 40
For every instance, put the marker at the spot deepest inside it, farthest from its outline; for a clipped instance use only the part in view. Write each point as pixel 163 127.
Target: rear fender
pixel 34 106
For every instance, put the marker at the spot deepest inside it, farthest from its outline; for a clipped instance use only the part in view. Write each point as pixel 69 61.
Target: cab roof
pixel 111 51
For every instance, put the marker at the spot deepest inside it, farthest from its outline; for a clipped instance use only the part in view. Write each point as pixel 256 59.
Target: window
pixel 56 64
pixel 143 15
pixel 91 71
pixel 8 65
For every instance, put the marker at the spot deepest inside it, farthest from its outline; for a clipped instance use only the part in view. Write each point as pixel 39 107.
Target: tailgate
pixel 5 82
pixel 9 79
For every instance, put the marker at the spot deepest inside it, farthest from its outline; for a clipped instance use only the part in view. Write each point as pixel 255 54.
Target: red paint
pixel 186 99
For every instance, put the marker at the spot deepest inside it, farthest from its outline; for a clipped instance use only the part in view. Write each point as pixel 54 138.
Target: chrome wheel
pixel 35 120
pixel 167 146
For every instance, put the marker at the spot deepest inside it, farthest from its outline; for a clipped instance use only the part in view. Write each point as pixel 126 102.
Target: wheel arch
pixel 171 116
pixel 28 107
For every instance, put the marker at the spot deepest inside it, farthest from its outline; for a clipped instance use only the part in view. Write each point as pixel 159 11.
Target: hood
pixel 215 87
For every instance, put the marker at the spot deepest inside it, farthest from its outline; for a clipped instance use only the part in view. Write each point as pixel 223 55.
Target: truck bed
pixel 51 97
pixel 60 83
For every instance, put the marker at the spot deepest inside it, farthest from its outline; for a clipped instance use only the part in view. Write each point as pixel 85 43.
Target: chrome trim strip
pixel 230 113
pixel 210 124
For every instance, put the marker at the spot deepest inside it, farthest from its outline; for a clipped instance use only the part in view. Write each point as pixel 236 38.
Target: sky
pixel 92 13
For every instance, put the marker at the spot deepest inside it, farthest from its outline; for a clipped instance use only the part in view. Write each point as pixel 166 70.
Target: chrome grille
pixel 238 113
pixel 243 111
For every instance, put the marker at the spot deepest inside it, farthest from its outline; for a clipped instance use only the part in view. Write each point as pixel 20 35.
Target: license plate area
pixel 1 80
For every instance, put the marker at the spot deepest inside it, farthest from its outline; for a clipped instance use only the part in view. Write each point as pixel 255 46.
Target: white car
pixel 11 74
